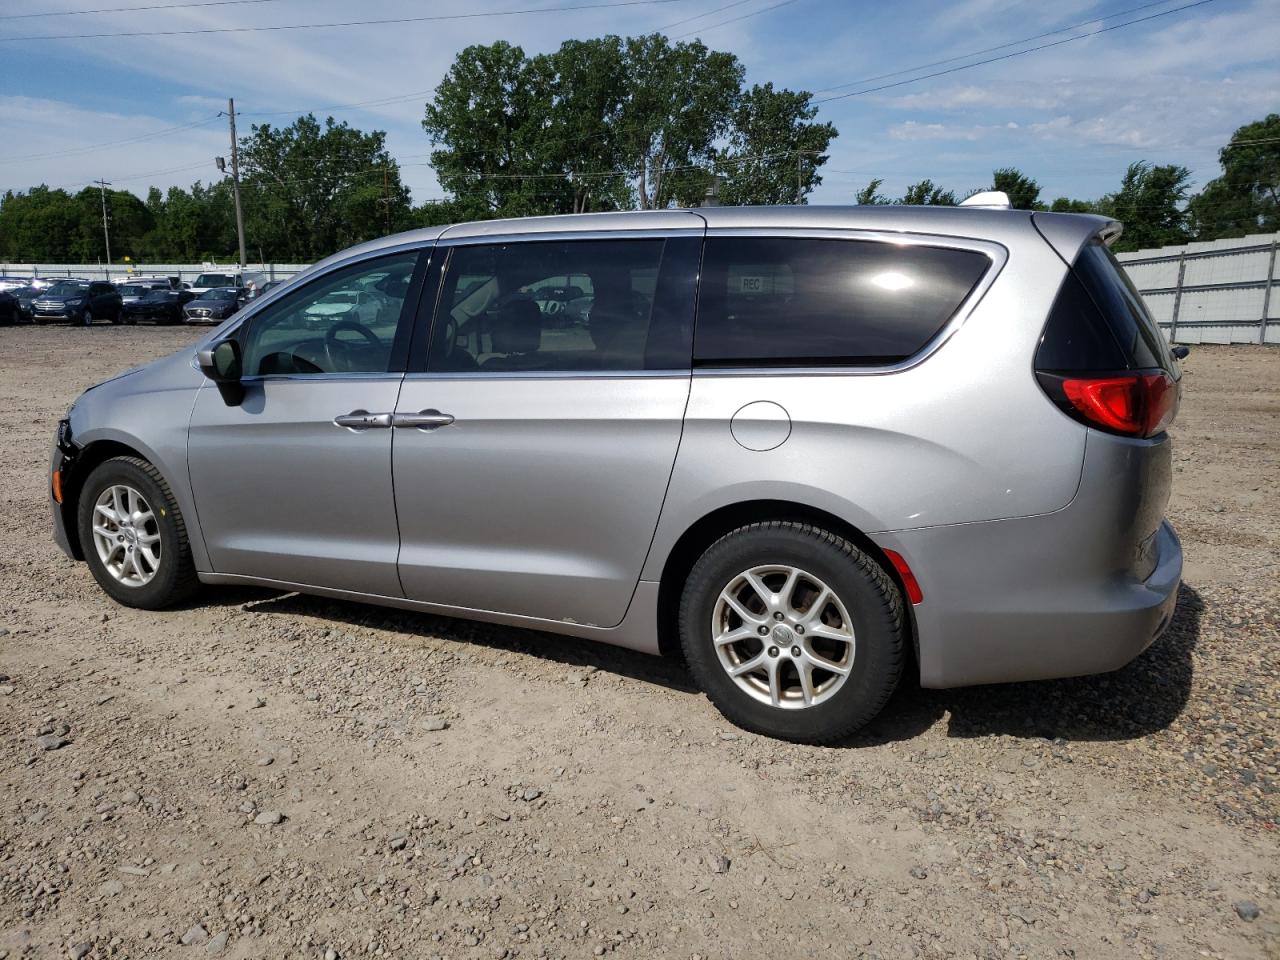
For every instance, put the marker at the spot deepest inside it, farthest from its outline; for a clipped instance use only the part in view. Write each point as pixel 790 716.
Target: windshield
pixel 132 290
pixel 157 294
pixel 213 280
pixel 218 295
pixel 67 288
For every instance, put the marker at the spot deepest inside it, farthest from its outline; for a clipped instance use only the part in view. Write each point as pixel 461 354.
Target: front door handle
pixel 423 419
pixel 363 420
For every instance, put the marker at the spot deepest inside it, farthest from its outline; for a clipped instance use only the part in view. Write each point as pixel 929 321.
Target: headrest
pixel 517 327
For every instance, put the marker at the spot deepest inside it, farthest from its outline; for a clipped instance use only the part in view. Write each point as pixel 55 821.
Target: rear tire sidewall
pixel 164 588
pixel 86 318
pixel 875 612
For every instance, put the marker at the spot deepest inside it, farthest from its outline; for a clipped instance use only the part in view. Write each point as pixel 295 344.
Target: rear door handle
pixel 363 420
pixel 423 419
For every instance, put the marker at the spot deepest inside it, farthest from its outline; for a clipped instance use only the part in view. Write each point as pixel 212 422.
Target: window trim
pixel 997 254
pixel 419 357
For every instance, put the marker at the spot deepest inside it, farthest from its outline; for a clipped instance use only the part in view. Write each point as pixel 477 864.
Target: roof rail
pixel 991 199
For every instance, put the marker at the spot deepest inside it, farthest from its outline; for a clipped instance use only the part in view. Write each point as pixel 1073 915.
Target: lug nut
pixel 799 629
pixel 778 615
pixel 773 651
pixel 795 651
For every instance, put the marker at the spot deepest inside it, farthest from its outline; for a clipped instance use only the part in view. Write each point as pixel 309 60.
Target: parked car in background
pixel 9 312
pixel 25 296
pixel 44 283
pixel 78 302
pixel 13 283
pixel 214 306
pixel 159 306
pixel 208 281
pixel 135 290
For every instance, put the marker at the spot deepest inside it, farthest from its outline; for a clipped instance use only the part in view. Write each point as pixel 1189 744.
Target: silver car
pixel 807 447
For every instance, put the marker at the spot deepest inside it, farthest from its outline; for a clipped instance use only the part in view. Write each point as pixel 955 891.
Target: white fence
pixel 115 271
pixel 1218 291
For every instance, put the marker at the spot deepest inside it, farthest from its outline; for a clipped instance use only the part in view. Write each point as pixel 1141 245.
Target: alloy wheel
pixel 126 535
pixel 783 636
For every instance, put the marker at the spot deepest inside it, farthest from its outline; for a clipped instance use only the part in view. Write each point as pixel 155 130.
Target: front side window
pixel 343 322
pixel 790 300
pixel 574 305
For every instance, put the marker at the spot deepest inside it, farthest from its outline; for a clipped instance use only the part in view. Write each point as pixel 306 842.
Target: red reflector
pixel 1139 405
pixel 909 581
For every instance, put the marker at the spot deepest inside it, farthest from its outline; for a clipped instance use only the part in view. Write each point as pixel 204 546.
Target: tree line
pixel 606 124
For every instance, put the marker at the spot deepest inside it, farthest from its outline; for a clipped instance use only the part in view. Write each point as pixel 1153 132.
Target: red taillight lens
pixel 1137 405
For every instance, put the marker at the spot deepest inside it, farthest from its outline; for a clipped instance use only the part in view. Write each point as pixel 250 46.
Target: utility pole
pixel 799 186
pixel 106 233
pixel 386 196
pixel 235 177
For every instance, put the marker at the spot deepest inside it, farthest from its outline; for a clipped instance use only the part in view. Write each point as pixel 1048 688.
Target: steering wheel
pixel 331 340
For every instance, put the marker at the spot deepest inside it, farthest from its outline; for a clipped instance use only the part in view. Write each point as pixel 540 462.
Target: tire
pixel 173 577
pixel 86 318
pixel 864 602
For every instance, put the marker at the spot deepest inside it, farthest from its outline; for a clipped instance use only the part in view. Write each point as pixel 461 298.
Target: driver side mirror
pixel 221 363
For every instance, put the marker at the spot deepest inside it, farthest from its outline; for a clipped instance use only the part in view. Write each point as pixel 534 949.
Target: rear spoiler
pixel 1068 232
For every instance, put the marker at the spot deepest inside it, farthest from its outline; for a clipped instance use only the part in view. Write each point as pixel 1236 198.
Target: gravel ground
pixel 261 775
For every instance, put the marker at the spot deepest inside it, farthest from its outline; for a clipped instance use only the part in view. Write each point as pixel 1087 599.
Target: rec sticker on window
pixel 755 284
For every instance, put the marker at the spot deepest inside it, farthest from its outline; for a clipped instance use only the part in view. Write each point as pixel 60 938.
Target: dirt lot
pixel 278 776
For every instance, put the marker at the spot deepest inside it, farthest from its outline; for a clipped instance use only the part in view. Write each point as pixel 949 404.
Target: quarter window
pixel 576 305
pixel 344 322
pixel 774 300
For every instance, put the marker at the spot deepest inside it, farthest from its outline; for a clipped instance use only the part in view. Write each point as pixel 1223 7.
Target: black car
pixel 159 306
pixel 214 306
pixel 78 301
pixel 25 296
pixel 9 311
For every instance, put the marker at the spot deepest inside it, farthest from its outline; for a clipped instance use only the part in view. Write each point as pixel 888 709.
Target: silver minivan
pixel 805 447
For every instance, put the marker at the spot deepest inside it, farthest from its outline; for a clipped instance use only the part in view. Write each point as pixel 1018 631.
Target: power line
pixel 999 46
pixel 159 6
pixel 744 16
pixel 112 143
pixel 1016 53
pixel 699 16
pixel 429 18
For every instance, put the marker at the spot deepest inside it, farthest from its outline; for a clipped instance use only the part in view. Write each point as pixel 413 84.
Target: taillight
pixel 1139 404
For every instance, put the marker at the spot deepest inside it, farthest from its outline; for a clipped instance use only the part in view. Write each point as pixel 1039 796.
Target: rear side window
pixel 784 301
pixel 1098 321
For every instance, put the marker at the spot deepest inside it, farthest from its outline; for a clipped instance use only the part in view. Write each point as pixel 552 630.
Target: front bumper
pixel 61 461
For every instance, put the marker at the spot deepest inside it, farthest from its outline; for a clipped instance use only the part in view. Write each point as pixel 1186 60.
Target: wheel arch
pixel 90 456
pixel 711 527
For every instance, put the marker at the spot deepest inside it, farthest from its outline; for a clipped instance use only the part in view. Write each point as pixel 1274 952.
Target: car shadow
pixel 1141 698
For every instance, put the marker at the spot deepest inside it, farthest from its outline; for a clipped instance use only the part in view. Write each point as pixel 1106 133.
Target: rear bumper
pixel 1080 591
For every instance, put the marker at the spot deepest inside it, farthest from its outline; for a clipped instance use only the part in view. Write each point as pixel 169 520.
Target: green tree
pixel 870 195
pixel 775 148
pixel 38 225
pixel 1024 193
pixel 311 189
pixel 1246 198
pixel 927 193
pixel 1067 205
pixel 1149 204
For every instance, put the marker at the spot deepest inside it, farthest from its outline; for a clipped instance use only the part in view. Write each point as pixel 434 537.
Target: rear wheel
pixel 792 631
pixel 133 535
pixel 87 317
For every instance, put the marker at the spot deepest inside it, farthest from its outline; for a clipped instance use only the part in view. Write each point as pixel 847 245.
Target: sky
pixel 1171 89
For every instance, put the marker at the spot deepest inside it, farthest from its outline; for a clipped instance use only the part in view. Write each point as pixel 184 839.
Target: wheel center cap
pixel 130 535
pixel 783 636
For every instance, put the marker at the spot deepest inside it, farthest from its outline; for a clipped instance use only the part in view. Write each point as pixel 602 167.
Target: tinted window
pixel 1076 338
pixel 213 280
pixel 67 288
pixel 784 300
pixel 1121 304
pixel 563 306
pixel 325 327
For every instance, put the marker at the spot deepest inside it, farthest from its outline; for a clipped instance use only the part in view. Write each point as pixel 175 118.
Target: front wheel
pixel 792 631
pixel 133 535
pixel 86 318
